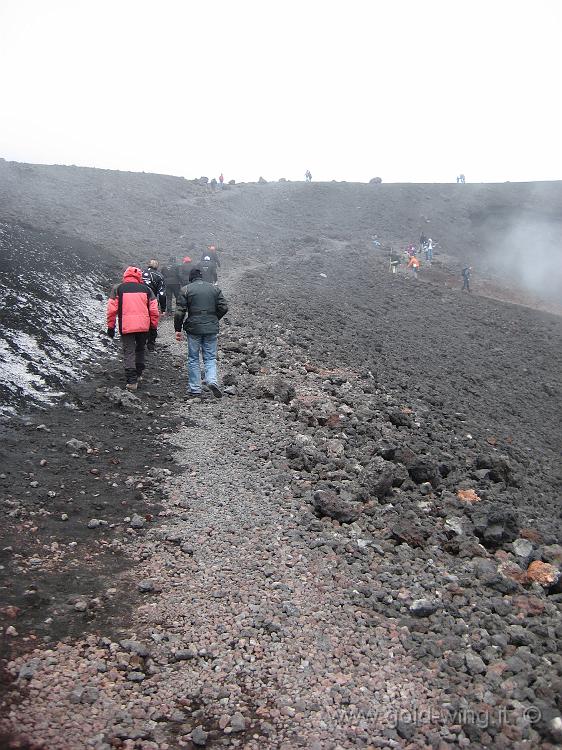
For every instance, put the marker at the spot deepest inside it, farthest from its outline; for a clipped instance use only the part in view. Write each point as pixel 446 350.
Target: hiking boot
pixel 217 393
pixel 132 386
pixel 191 395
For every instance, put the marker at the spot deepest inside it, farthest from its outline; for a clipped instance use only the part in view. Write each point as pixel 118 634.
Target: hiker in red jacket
pixel 134 305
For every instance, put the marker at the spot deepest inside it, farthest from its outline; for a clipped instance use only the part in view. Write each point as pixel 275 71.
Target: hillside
pixel 358 546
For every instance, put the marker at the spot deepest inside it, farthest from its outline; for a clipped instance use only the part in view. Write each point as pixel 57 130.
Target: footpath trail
pixel 314 578
pixel 246 638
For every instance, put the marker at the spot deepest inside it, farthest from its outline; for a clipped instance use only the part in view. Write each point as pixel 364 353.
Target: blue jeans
pixel 207 345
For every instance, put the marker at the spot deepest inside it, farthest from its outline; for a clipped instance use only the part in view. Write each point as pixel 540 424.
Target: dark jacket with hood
pixel 204 304
pixel 171 274
pixel 154 279
pixel 208 269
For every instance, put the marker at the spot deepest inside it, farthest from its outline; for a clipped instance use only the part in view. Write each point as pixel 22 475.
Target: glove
pixel 111 332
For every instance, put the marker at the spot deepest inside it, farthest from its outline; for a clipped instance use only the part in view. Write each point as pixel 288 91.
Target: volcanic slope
pixel 358 546
pixel 509 232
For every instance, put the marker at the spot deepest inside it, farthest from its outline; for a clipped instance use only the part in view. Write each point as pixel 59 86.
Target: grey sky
pixel 408 90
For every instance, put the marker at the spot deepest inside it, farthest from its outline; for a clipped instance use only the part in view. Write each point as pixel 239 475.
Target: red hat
pixel 187 259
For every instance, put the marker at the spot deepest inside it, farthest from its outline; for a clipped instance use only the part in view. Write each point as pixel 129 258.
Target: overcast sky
pixel 350 89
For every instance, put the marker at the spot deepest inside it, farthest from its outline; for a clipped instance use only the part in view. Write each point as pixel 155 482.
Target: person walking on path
pixel 429 250
pixel 466 278
pixel 152 277
pixel 171 275
pixel 221 179
pixel 208 269
pixel 414 264
pixel 133 304
pixel 394 262
pixel 184 271
pixel 204 305
pixel 213 255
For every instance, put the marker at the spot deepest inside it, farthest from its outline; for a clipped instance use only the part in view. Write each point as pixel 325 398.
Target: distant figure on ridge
pixel 133 304
pixel 466 278
pixel 308 175
pixel 221 179
pixel 205 306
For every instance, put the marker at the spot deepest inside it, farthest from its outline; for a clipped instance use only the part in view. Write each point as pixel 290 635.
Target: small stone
pixel 134 647
pixel 522 548
pixel 474 663
pixel 237 722
pixel 77 445
pixel 81 606
pixel 146 586
pixel 543 573
pixel 28 670
pixel 135 676
pixel 184 654
pixel 199 736
pixel 423 607
pixel 137 522
pixel 94 523
pixel 10 630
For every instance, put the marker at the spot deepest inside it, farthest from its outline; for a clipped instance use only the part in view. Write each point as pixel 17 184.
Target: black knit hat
pixel 195 273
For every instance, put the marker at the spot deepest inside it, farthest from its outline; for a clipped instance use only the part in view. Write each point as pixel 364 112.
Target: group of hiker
pixel 137 304
pixel 412 256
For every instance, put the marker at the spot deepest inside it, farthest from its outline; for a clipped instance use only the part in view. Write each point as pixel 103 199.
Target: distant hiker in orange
pixel 184 271
pixel 414 264
pixel 221 179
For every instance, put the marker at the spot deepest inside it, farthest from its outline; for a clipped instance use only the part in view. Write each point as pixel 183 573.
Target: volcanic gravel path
pixel 352 555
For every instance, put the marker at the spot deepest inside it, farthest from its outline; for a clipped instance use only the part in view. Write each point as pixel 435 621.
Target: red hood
pixel 133 274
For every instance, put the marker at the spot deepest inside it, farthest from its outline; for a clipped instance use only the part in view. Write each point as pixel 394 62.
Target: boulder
pixel 376 479
pixel 333 506
pixel 495 526
pixel 425 470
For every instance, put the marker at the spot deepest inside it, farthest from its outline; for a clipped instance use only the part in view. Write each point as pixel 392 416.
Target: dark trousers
pixel 172 292
pixel 133 354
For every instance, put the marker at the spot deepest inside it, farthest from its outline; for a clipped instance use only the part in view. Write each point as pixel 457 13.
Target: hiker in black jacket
pixel 153 279
pixel 205 305
pixel 171 275
pixel 208 269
